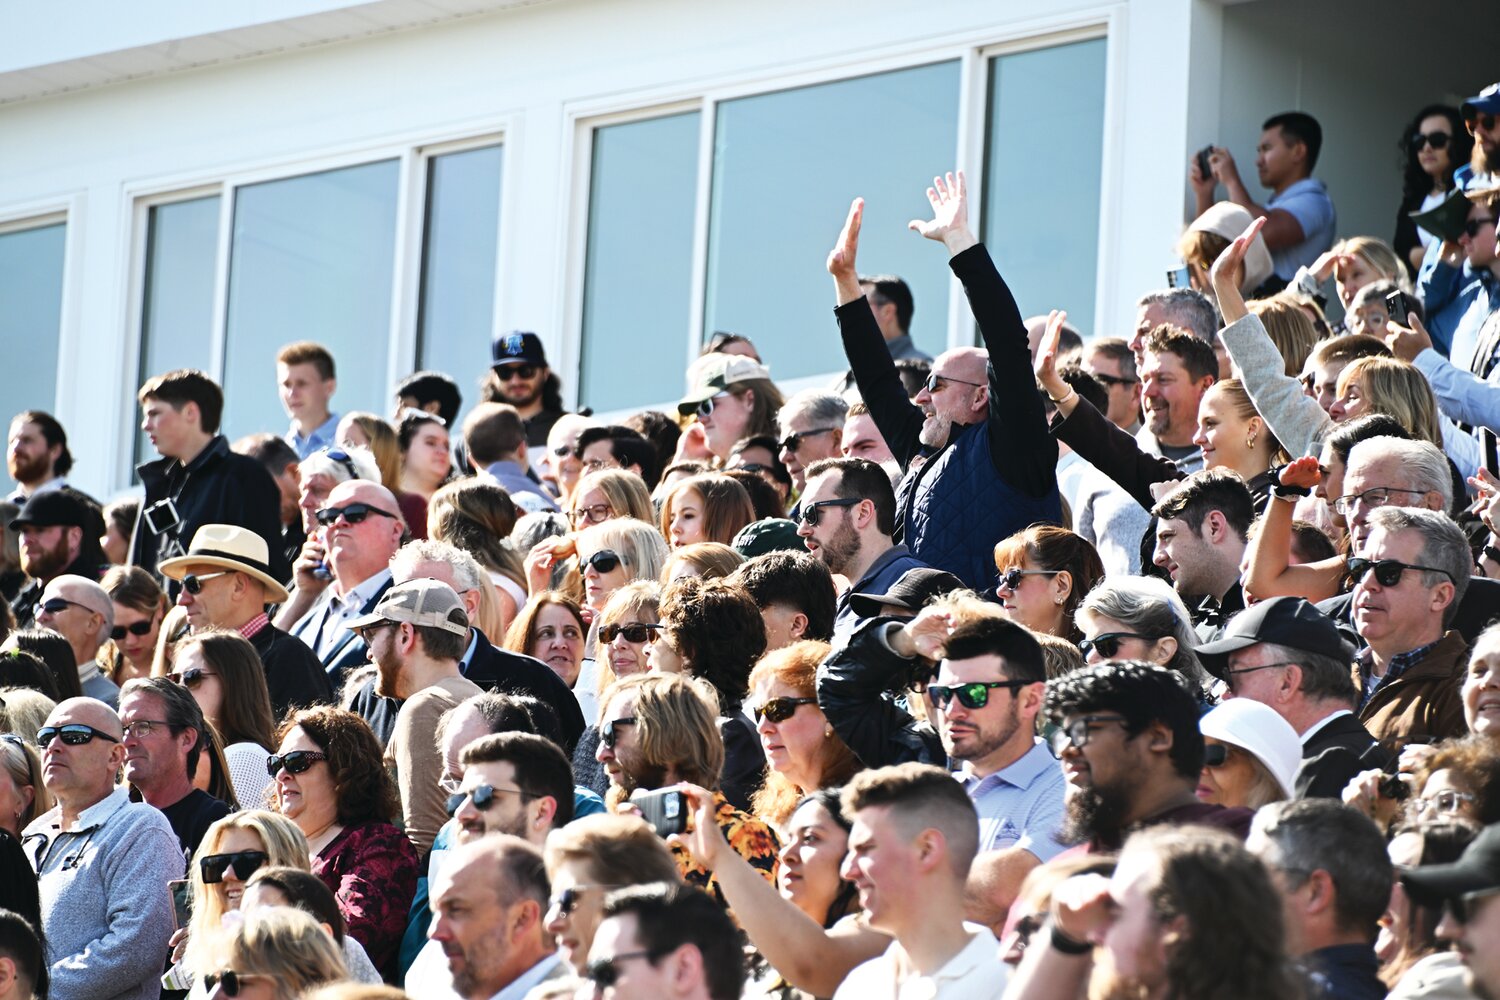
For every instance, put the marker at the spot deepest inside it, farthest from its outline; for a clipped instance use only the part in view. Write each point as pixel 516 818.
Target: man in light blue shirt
pixel 306 382
pixel 495 438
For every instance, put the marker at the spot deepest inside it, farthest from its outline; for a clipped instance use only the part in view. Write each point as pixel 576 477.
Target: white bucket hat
pixel 1260 732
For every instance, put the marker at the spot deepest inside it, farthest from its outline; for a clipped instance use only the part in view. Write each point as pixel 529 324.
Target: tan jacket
pixel 1423 705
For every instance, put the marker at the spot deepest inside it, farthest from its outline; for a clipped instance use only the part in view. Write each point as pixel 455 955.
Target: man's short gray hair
pixel 467 573
pixel 823 409
pixel 1187 308
pixel 322 463
pixel 1444 548
pixel 1324 677
pixel 1422 467
pixel 1308 835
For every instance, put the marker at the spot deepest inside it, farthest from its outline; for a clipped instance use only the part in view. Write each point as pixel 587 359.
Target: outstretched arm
pixel 1271 572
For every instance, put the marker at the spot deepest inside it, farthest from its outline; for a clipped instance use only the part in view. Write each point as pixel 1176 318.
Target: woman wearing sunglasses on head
pixel 139 606
pixel 1250 755
pixel 23 796
pixel 273 954
pixel 331 782
pixel 1045 571
pixel 1139 618
pixel 224 675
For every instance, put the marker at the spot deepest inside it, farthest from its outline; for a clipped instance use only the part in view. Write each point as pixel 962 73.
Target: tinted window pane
pixel 638 276
pixel 458 264
pixel 31 280
pixel 786 166
pixel 1042 168
pixel 311 259
pixel 177 314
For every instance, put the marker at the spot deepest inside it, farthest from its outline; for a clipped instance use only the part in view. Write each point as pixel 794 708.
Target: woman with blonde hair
pixel 1290 329
pixel 140 607
pixel 707 508
pixel 280 952
pixel 23 796
pixel 478 517
pixel 24 710
pixel 606 494
pixel 708 560
pixel 803 753
pixel 1352 263
pixel 366 430
pixel 622 630
pixel 1386 385
pixel 609 555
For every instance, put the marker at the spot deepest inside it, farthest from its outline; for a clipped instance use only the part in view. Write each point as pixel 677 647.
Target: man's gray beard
pixel 940 428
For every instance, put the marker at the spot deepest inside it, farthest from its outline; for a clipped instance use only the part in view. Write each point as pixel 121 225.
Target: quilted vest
pixel 956 508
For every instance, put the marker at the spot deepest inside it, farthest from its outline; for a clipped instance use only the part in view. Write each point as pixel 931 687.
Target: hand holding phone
pixel 666 809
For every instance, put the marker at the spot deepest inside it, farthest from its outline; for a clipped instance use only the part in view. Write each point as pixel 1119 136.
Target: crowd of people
pixel 1155 666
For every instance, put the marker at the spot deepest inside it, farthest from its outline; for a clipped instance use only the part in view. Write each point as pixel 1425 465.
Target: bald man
pixel 360 529
pixel 102 861
pixel 80 611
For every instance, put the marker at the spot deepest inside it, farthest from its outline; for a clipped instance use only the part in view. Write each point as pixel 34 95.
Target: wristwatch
pixel 1281 491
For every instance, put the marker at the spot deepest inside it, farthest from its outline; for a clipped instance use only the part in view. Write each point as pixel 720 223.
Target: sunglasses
pixel 813 513
pixel 935 383
pixel 354 513
pixel 1474 227
pixel 508 372
pixel 632 631
pixel 794 441
pixel 566 901
pixel 1107 644
pixel 57 605
pixel 610 734
pixel 1486 122
pixel 229 982
pixel 483 797
pixel 1437 140
pixel 194 584
pixel 780 709
pixel 1110 381
pixel 605 972
pixel 1387 571
pixel 603 561
pixel 342 458
pixel 973 695
pixel 295 761
pixel 1077 733
pixel 1011 578
pixel 74 735
pixel 596 513
pixel 1462 907
pixel 1215 755
pixel 242 863
pixel 142 628
pixel 191 677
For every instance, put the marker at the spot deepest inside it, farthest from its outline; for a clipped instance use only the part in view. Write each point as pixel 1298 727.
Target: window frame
pixel 40 214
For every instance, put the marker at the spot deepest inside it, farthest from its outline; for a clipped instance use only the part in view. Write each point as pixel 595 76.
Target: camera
pixel 161 517
pixel 1179 277
pixel 1393 787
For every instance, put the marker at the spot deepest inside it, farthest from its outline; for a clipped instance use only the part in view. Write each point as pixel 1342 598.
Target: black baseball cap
pixel 1285 621
pixel 50 508
pixel 1477 870
pixel 913 591
pixel 518 347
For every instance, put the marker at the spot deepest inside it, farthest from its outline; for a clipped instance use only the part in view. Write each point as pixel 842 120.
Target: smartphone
pixel 1399 306
pixel 182 902
pixel 1203 165
pixel 666 809
pixel 1179 277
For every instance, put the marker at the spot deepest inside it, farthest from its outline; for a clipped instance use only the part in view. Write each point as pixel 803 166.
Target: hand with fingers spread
pixel 1406 342
pixel 949 225
pixel 1045 365
pixel 1224 274
pixel 841 258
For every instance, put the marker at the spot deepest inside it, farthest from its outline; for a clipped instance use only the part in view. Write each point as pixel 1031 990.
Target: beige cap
pixel 425 603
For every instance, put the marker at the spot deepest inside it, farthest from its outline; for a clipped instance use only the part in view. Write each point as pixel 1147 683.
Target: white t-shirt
pixel 975 973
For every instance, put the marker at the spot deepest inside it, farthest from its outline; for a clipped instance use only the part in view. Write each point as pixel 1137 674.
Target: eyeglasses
pixel 1011 578
pixel 1449 800
pixel 603 561
pixel 483 797
pixel 609 735
pixel 604 972
pixel 1387 571
pixel 706 408
pixel 354 513
pixel 780 709
pixel 813 513
pixel 1077 733
pixel 57 605
pixel 794 441
pixel 1377 497
pixel 194 584
pixel 566 901
pixel 242 863
pixel 632 631
pixel 73 734
pixel 972 695
pixel 1215 755
pixel 1473 227
pixel 507 372
pixel 562 450
pixel 141 628
pixel 1107 644
pixel 595 513
pixel 1437 140
pixel 191 677
pixel 1110 381
pixel 936 382
pixel 1231 674
pixel 141 728
pixel 755 467
pixel 229 982
pixel 1462 907
pixel 295 761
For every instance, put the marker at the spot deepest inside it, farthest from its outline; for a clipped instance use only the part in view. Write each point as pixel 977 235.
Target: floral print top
pixel 371 869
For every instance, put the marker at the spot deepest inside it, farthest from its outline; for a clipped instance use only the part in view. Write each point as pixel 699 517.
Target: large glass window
pixel 31 282
pixel 1042 171
pixel 311 258
pixel 639 271
pixel 786 166
pixel 457 309
pixel 177 311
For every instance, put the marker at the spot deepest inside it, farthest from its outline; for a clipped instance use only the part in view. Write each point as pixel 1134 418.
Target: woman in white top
pixel 224 674
pixel 478 517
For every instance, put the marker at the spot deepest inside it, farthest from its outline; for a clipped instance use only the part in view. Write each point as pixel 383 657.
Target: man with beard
pixel 490 903
pixel 415 637
pixel 978 462
pixel 60 531
pixel 520 376
pixel 848 515
pixel 1469 891
pixel 36 455
pixel 1131 752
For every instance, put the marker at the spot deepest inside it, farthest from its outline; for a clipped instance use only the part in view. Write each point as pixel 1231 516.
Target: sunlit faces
pixel 208 692
pixel 1247 680
pixel 507 812
pixel 312 496
pixel 15 799
pixel 882 862
pixel 1434 161
pixel 1170 397
pixel 833 540
pixel 154 754
pixel 557 640
pixel 47 550
pixel 170 429
pixel 686 524
pixel 599 585
pixel 663 655
pixel 1350 402
pixel 214 602
pixel 573 926
pixel 521 384
pixel 726 422
pixel 1481 690
pixel 304 392
pixel 813 850
pixel 234 840
pixel 1480 247
pixel 862 439
pixel 1352 274
pixel 793 746
pixel 974 734
pixel 1371 318
pixel 1277 160
pixel 1229 783
pixel 86 769
pixel 1405 614
pixel 1036 600
pixel 637 975
pixel 1186 554
pixel 427 459
pixel 28 457
pixel 475 927
pixel 1124 644
pixel 623 761
pixel 1325 381
pixel 624 654
pixel 961 390
pixel 1229 440
pixel 1124 397
pixel 1135 939
pixel 309 799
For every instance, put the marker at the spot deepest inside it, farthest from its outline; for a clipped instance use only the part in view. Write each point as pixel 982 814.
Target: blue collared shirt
pixel 512 477
pixel 1020 805
pixel 323 436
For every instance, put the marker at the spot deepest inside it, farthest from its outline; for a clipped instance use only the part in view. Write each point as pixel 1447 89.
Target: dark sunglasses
pixel 566 901
pixel 508 372
pixel 1215 755
pixel 57 605
pixel 295 761
pixel 194 584
pixel 342 458
pixel 972 695
pixel 706 408
pixel 603 561
pixel 935 382
pixel 794 441
pixel 74 735
pixel 1387 571
pixel 605 972
pixel 1474 227
pixel 1462 907
pixel 1110 381
pixel 243 863
pixel 1486 122
pixel 139 628
pixel 1437 140
pixel 813 513
pixel 610 735
pixel 229 982
pixel 191 677
pixel 1011 578
pixel 1108 643
pixel 354 513
pixel 632 631
pixel 780 709
pixel 483 796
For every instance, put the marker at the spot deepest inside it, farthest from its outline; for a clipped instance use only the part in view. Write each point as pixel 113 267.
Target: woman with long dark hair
pixel 1433 145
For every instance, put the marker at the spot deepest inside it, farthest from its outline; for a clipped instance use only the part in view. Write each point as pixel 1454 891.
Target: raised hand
pixel 925 635
pixel 841 257
pixel 949 225
pixel 703 840
pixel 1406 342
pixel 1302 472
pixel 1081 907
pixel 1045 364
pixel 1223 273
